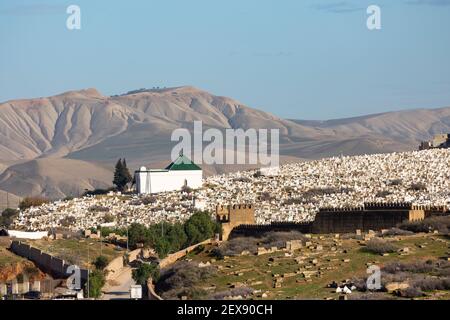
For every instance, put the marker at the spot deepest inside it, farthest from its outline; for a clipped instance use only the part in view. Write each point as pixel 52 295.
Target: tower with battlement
pixel 232 216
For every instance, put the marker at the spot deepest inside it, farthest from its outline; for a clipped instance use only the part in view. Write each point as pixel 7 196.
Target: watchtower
pixel 232 216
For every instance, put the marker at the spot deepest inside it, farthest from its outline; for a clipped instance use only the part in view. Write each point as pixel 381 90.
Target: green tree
pixel 177 237
pixel 137 233
pixel 157 238
pixel 200 227
pixel 122 175
pixel 96 282
pixel 162 246
pixel 7 217
pixel 108 218
pixel 166 237
pixel 101 262
pixel 126 172
pixel 144 272
pixel 118 231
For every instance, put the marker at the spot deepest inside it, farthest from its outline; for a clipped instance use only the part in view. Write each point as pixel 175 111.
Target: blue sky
pixel 304 59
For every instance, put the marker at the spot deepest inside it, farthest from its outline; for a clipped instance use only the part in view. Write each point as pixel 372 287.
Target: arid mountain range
pixel 61 145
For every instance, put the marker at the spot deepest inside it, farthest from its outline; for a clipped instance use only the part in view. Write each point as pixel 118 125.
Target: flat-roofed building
pixel 181 172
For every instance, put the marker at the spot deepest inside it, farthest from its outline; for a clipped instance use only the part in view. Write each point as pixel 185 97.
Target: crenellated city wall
pixel 238 220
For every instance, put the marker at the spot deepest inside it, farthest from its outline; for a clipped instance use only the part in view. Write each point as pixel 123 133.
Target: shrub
pixel 395 277
pixel 257 174
pixel 97 192
pixel 439 223
pixel 67 221
pixel 415 267
pixel 242 291
pixel 379 246
pixel 32 272
pixel 442 269
pixel 395 182
pixel 410 293
pixel 100 263
pixel 192 293
pixel 148 200
pixel 418 186
pixel 217 253
pixel 431 284
pixel 29 202
pixel 360 284
pixel 397 232
pixel 182 278
pixel 235 246
pixel 265 196
pixel 96 282
pixel 96 208
pixel 8 216
pixel 144 272
pixel 279 239
pixel 354 236
pixel 370 296
pixel 383 194
pixel 108 218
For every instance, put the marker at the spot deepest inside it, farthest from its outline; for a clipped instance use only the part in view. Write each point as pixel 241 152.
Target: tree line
pixel 167 237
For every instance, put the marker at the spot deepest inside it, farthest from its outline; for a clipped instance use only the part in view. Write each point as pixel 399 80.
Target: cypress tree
pixel 118 172
pixel 127 176
pixel 122 175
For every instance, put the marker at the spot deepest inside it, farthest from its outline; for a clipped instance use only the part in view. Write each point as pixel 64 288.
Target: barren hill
pixel 74 122
pixel 54 178
pixel 404 127
pixel 47 143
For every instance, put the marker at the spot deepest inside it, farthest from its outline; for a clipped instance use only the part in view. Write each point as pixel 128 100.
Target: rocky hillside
pixel 41 138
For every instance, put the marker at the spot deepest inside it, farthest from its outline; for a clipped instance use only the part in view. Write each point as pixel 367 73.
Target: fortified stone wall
pixel 232 216
pixel 346 222
pixel 370 216
pixel 174 257
pixel 152 295
pixel 49 264
pixel 258 230
pixel 114 267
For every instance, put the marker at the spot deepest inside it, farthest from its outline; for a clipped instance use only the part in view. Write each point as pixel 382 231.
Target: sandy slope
pixel 54 177
pixel 38 137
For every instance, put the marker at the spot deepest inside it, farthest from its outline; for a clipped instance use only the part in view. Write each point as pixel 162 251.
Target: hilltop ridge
pixel 88 126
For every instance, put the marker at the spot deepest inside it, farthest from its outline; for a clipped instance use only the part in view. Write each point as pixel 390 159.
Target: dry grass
pixel 379 246
pixel 439 223
pixel 237 245
pixel 182 279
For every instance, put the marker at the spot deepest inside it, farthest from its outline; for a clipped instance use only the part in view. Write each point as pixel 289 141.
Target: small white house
pixel 181 172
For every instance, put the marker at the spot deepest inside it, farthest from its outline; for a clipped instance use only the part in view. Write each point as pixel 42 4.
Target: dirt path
pixel 119 288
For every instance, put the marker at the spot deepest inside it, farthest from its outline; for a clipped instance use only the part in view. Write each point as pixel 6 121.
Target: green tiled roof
pixel 182 163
